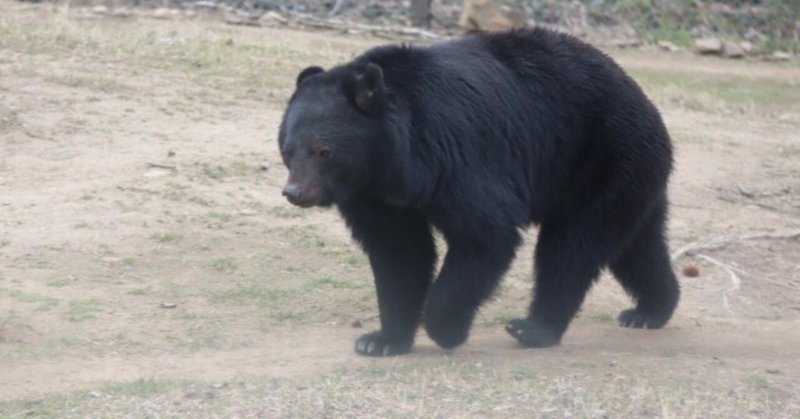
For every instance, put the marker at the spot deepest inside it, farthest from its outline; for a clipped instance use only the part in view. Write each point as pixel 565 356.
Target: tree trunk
pixel 421 13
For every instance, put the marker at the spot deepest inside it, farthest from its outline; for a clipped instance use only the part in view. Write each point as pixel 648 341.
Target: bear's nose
pixel 292 192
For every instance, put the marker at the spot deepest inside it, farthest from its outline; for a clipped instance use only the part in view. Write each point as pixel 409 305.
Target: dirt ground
pixel 150 267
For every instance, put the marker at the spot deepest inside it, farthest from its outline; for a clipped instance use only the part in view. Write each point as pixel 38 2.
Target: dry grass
pixel 445 389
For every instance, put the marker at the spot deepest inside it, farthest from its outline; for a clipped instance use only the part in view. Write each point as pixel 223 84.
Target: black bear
pixel 480 137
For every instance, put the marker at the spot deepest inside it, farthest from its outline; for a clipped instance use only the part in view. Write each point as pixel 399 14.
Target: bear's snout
pixel 294 193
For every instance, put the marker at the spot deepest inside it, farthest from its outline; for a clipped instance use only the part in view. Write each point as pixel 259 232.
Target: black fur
pixel 480 137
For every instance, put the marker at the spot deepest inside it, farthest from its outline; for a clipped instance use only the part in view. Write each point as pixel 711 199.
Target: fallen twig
pixel 736 282
pixel 161 166
pixel 716 243
pixel 758 204
pixel 304 19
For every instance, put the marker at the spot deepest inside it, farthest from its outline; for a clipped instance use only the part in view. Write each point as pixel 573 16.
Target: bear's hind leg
pixel 644 270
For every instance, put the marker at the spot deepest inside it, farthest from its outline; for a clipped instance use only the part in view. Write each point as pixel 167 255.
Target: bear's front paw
pixel 532 334
pixel 639 319
pixel 376 344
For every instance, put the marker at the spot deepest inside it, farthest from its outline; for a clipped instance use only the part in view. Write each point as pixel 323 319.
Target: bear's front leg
pixel 472 269
pixel 402 255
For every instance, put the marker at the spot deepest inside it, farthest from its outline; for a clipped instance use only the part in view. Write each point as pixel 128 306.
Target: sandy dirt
pixel 128 186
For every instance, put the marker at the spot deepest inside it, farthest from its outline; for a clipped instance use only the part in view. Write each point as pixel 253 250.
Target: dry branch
pixel 161 166
pixel 720 242
pixel 736 282
pixel 310 21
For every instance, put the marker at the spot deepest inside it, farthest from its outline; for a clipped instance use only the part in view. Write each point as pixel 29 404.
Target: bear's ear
pixel 308 71
pixel 367 88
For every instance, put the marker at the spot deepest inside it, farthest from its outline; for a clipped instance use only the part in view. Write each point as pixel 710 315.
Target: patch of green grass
pixel 82 309
pixel 24 296
pixel 500 318
pixel 224 264
pixel 92 82
pixel 286 212
pixel 43 303
pixel 680 37
pixel 261 295
pixel 8 119
pixel 203 334
pixel 355 260
pixel 47 304
pixel 138 388
pixel 140 291
pixel 166 237
pixel 215 172
pixel 441 387
pixel 237 69
pixel 301 236
pixel 789 151
pixel 241 169
pixel 58 282
pixel 175 191
pixel 757 382
pixel 712 92
pixel 600 317
pixel 219 216
pixel 105 250
pixel 199 200
pixel 38 264
pixel 330 282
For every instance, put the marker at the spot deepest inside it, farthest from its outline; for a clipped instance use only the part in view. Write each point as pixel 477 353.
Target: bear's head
pixel 329 130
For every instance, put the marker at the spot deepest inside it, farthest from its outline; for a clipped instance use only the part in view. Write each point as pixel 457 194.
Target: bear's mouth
pixel 301 202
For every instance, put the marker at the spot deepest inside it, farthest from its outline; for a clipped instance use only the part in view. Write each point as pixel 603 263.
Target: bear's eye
pixel 323 153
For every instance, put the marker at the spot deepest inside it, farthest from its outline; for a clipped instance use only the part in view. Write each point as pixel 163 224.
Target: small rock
pixel 100 10
pixel 271 18
pixel 691 271
pixel 748 47
pixel 780 56
pixel 169 305
pixel 732 50
pixel 170 153
pixel 122 12
pixel 708 46
pixel 487 15
pixel 94 394
pixel 229 42
pixel 773 371
pixel 356 323
pixel 264 166
pixel 752 34
pixel 668 46
pixel 162 13
pixel 219 385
